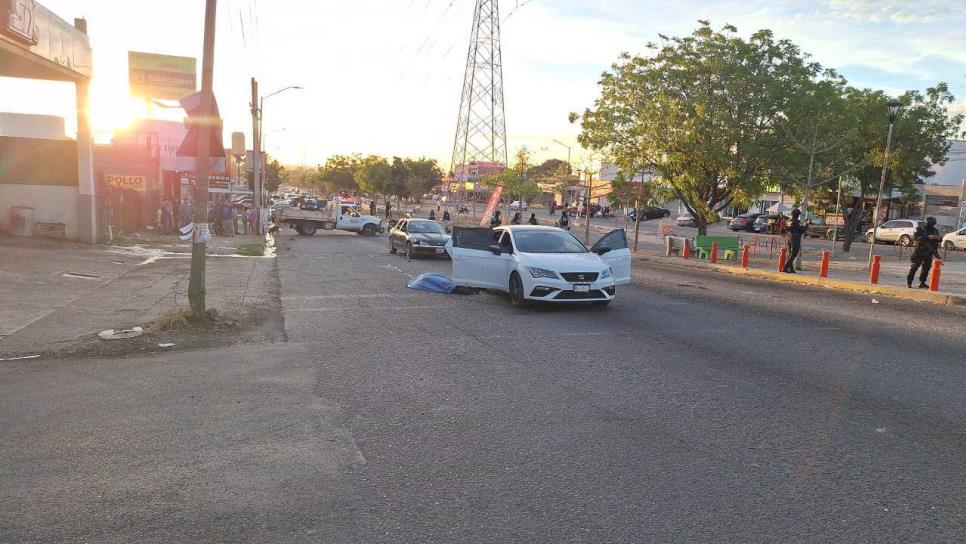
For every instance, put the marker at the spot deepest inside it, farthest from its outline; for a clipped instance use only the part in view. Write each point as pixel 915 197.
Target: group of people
pixel 925 248
pixel 517 219
pixel 171 215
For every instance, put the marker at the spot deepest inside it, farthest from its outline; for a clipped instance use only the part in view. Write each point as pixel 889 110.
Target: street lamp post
pixel 259 169
pixel 894 107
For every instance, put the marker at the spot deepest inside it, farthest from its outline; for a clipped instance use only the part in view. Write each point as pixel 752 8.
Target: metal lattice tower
pixel 481 129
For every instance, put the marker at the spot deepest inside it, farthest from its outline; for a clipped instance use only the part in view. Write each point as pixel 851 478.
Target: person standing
pixel 388 209
pixel 252 220
pixel 496 220
pixel 432 215
pixel 564 220
pixel 230 216
pixel 794 232
pixel 372 207
pixel 517 219
pixel 167 217
pixel 533 219
pixel 187 212
pixel 926 247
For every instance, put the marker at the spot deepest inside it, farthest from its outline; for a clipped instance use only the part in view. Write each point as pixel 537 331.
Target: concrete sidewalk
pixel 56 294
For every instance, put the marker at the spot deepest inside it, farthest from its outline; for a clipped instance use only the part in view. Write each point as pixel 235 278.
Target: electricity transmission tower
pixel 481 129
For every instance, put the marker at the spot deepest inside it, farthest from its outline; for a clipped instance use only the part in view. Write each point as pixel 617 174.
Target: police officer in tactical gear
pixel 794 230
pixel 926 247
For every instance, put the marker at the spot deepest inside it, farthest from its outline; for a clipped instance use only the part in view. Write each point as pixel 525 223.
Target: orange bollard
pixel 823 270
pixel 782 255
pixel 686 252
pixel 745 256
pixel 714 252
pixel 937 270
pixel 874 273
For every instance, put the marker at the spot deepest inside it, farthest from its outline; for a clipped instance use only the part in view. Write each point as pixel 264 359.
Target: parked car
pixel 767 224
pixel 515 205
pixel 418 237
pixel 901 231
pixel 648 213
pixel 538 263
pixel 955 240
pixel 745 221
pixel 686 220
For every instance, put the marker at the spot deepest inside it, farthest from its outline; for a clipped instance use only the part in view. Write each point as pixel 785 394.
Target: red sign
pixel 491 205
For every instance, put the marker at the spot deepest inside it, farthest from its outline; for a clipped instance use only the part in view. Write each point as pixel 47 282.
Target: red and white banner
pixel 491 204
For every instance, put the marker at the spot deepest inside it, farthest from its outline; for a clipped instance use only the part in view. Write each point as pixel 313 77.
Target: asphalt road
pixel 696 408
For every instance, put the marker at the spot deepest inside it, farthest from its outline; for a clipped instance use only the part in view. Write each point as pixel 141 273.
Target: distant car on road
pixel 537 263
pixel 686 220
pixel 745 221
pixel 900 231
pixel 515 205
pixel 418 237
pixel 955 240
pixel 648 213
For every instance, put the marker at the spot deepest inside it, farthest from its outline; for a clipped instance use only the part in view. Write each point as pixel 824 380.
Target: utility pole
pixel 590 189
pixel 893 112
pixel 196 282
pixel 838 213
pixel 637 212
pixel 256 154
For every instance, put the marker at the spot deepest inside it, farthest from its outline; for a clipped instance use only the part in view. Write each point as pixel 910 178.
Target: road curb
pixel 944 299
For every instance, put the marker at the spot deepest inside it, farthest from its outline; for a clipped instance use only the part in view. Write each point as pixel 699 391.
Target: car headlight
pixel 542 273
pixel 606 274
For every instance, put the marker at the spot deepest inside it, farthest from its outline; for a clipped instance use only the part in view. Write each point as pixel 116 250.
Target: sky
pixel 385 76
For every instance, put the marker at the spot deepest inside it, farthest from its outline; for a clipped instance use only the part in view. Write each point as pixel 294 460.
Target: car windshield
pixel 425 227
pixel 547 241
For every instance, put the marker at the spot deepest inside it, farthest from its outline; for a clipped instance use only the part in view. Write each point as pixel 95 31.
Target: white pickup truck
pixel 335 215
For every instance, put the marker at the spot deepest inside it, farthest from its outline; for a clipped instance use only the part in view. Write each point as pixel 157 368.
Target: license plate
pixel 439 250
pixel 581 287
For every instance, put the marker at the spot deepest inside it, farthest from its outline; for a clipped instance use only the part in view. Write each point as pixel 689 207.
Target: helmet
pixel 796 212
pixel 931 221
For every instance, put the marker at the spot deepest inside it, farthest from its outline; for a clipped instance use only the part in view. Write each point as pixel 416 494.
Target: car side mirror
pixel 602 250
pixel 495 249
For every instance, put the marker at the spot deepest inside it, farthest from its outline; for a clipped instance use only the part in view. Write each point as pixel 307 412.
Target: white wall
pixel 51 203
pixel 23 125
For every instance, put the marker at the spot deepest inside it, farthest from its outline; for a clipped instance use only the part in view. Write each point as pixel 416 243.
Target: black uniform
pixel 795 230
pixel 923 253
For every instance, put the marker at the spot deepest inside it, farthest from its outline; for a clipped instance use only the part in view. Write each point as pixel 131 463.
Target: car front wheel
pixel 948 245
pixel 869 238
pixel 516 291
pixel 905 240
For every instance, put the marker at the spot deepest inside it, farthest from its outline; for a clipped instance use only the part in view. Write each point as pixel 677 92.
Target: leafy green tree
pixel 373 175
pixel 275 175
pixel 702 111
pixel 424 174
pixel 338 173
pixel 921 138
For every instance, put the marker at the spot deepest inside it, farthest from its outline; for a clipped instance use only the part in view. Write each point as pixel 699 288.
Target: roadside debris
pixel 20 358
pixel 166 345
pixel 433 283
pixel 112 334
pixel 874 301
pixel 80 275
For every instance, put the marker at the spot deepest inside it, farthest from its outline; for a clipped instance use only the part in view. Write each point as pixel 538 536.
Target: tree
pixel 373 175
pixel 338 173
pixel 549 168
pixel 275 175
pixel 424 175
pixel 921 138
pixel 701 110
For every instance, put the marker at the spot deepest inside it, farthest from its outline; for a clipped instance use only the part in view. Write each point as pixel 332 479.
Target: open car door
pixel 618 256
pixel 469 249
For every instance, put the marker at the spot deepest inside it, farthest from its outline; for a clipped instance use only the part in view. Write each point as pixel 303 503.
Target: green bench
pixel 728 246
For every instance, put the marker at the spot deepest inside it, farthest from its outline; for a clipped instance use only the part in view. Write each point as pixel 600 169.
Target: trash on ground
pixel 166 345
pixel 434 283
pixel 112 334
pixel 80 275
pixel 874 301
pixel 21 358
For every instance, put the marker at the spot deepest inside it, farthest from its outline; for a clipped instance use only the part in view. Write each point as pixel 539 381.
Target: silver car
pixel 901 231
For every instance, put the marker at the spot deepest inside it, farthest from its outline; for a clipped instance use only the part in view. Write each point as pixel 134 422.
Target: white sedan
pixel 536 263
pixel 955 240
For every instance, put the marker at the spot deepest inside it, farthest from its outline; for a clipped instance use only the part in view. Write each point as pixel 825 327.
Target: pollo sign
pixel 133 183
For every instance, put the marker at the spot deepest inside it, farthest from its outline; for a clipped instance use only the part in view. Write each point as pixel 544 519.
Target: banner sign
pixel 135 183
pixel 491 204
pixel 161 76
